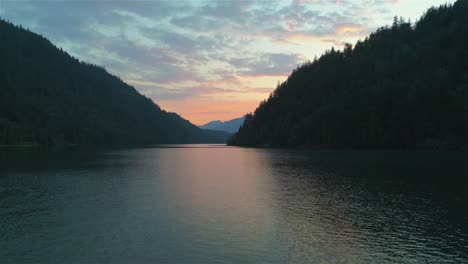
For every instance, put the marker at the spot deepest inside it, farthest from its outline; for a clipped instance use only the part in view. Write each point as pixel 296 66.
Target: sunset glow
pixel 205 60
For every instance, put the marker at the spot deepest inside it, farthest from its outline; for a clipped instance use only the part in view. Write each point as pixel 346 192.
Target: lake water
pixel 217 204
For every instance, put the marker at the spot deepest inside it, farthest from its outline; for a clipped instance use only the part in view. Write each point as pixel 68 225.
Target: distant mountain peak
pixel 212 123
pixel 230 126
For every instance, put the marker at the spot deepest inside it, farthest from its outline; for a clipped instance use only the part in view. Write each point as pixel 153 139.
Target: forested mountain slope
pixel 49 97
pixel 403 86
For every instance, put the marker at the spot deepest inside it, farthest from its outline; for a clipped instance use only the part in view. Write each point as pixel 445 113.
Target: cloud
pixel 267 64
pixel 181 50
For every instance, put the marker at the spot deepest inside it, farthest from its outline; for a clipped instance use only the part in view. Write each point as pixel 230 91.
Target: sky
pixel 205 60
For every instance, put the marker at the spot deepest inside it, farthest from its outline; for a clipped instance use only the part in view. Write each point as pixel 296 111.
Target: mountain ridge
pixel 230 126
pixel 48 97
pixel 404 86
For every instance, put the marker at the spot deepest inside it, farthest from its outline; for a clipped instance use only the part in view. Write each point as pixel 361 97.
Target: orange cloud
pixel 291 24
pixel 349 29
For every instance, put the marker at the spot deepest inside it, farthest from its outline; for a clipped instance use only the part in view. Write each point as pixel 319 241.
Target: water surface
pixel 217 204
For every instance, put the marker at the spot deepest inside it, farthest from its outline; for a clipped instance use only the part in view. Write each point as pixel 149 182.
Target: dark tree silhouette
pixel 49 97
pixel 403 86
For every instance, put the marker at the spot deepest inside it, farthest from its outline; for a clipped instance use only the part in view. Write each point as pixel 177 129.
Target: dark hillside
pixel 49 97
pixel 403 86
